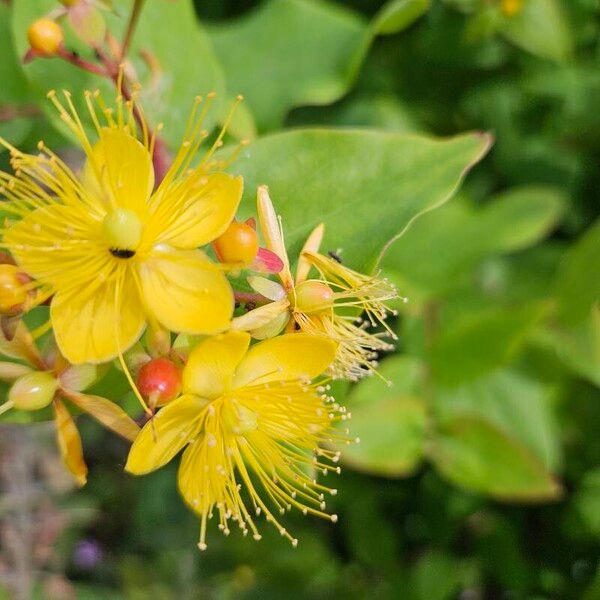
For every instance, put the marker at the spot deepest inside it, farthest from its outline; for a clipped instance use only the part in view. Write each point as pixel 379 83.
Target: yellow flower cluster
pixel 114 252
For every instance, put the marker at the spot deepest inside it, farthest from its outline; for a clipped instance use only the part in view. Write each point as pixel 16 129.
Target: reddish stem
pixel 86 65
pixel 8 113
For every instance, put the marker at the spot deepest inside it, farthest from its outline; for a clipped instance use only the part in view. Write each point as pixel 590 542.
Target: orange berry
pixel 45 36
pixel 239 244
pixel 12 292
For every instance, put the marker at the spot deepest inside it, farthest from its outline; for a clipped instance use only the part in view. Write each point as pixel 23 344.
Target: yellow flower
pixel 327 306
pixel 510 8
pixel 112 251
pixel 251 418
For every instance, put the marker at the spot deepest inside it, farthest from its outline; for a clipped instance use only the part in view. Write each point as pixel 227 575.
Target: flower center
pixel 238 419
pixel 313 296
pixel 122 231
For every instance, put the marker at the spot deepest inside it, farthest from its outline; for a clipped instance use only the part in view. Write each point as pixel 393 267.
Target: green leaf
pixel 290 53
pixel 436 576
pixel 578 282
pixel 14 91
pixel 542 28
pixel 587 501
pixel 578 347
pixel 398 15
pixel 509 222
pixel 366 186
pixel 481 341
pixel 390 420
pixel 477 456
pixel 187 65
pixel 521 407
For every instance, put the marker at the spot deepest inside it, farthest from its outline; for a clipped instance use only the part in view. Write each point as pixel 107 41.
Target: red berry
pixel 159 380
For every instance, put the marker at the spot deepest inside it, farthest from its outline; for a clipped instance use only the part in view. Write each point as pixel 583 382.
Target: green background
pixel 478 475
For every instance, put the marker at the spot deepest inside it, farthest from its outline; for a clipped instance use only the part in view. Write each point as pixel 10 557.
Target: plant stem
pixel 131 25
pixel 76 60
pixel 8 113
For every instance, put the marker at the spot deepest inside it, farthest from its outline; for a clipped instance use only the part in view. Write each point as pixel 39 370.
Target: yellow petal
pixel 69 443
pixel 186 292
pixel 89 325
pixel 106 412
pixel 195 211
pixel 212 363
pixel 55 240
pixel 122 168
pixel 191 484
pixel 165 435
pixel 271 230
pixel 261 316
pixel 288 356
pixel 312 244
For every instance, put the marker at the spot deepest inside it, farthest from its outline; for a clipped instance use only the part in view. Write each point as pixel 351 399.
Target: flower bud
pixel 12 292
pixel 45 36
pixel 313 296
pixel 239 244
pixel 33 391
pixel 159 380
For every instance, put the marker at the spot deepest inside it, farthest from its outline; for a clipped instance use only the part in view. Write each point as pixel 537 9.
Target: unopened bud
pixel 33 391
pixel 239 244
pixel 313 296
pixel 45 36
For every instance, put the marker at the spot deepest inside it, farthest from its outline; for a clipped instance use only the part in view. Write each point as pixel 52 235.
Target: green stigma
pixel 122 230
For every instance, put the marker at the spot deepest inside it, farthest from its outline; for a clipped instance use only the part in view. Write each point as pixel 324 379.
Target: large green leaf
pixel 481 341
pixel 169 30
pixel 578 283
pixel 446 244
pixel 522 408
pixel 366 186
pixel 390 420
pixel 293 52
pixel 541 28
pixel 478 456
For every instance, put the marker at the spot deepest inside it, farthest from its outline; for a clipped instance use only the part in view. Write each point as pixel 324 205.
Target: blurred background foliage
pixel 478 473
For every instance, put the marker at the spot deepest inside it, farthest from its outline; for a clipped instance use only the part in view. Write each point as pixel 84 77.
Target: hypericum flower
pixel 48 379
pixel 112 252
pixel 326 306
pixel 251 417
